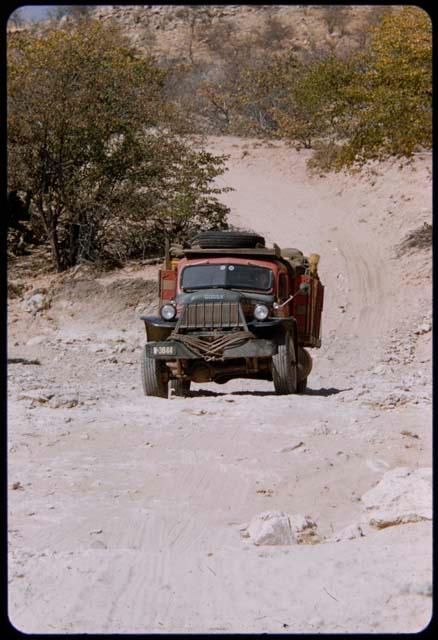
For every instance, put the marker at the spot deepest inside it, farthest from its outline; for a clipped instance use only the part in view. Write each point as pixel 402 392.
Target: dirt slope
pixel 127 513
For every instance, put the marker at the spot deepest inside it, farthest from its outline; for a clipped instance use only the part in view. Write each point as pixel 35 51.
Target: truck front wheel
pixel 180 387
pixel 284 368
pixel 153 377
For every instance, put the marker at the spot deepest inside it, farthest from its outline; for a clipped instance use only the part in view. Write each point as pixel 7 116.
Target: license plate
pixel 164 350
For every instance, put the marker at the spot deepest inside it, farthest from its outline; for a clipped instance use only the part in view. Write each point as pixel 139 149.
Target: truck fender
pixel 157 329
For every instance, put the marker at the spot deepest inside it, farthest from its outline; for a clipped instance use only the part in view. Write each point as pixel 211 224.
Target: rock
pixel 68 401
pixel 271 528
pixel 380 369
pixel 39 300
pixel 425 327
pixel 390 519
pixel 36 340
pixel 98 544
pixel 304 529
pixel 403 495
pixel 350 532
pixel 35 396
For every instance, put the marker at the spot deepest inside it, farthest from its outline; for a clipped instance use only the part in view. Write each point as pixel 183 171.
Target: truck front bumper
pixel 175 350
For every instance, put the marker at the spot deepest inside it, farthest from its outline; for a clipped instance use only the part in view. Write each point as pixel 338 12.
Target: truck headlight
pixel 261 312
pixel 168 312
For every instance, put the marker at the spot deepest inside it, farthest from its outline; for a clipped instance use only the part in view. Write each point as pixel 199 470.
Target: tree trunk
pixel 55 248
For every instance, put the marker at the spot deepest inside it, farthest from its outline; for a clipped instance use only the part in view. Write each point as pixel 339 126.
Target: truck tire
pixel 304 368
pixel 180 388
pixel 284 368
pixel 153 377
pixel 228 240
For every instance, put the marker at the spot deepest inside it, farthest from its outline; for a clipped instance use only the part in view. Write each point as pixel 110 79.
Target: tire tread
pixel 152 377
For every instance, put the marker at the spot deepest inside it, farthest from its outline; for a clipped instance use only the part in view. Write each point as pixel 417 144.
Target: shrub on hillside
pixel 90 139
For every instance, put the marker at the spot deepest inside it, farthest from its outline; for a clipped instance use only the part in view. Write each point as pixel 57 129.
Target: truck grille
pixel 212 315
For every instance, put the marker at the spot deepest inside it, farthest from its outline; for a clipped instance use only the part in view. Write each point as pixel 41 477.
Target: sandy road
pixel 128 513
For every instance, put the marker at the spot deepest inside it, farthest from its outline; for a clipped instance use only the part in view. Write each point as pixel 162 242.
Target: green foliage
pixel 391 92
pixel 299 101
pixel 90 140
pixel 370 104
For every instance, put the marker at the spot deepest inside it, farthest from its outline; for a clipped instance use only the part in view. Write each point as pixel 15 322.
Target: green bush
pixel 91 141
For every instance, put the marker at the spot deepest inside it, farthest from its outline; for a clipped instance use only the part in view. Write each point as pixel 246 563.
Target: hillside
pixel 193 33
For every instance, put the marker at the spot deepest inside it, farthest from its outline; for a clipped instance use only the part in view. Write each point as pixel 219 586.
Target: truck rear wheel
pixel 153 377
pixel 180 387
pixel 284 368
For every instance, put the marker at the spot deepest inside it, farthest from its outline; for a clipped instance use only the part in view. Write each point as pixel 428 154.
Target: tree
pixel 391 92
pixel 371 104
pixel 336 18
pixel 90 138
pixel 299 101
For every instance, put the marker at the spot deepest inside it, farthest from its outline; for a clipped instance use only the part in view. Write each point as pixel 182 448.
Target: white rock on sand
pixel 271 528
pixel 350 532
pixel 403 495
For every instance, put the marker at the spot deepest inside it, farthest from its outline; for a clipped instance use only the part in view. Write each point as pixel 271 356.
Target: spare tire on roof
pixel 228 240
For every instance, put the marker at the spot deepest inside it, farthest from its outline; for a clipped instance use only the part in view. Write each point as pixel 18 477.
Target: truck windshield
pixel 226 276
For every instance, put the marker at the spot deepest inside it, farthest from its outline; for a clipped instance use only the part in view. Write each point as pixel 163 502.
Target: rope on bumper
pixel 213 350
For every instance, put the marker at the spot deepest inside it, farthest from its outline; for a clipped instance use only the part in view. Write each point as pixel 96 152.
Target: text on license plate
pixel 163 351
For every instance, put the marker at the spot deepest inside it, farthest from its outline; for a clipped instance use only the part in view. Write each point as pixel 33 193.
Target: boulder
pixel 403 495
pixel 271 528
pixel 351 532
pixel 39 300
pixel 66 400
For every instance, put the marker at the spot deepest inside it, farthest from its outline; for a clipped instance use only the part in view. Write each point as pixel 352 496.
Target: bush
pixel 90 139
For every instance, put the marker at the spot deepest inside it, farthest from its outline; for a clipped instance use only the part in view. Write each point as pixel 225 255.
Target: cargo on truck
pixel 231 307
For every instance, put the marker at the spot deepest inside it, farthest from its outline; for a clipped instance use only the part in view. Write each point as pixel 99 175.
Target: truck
pixel 231 307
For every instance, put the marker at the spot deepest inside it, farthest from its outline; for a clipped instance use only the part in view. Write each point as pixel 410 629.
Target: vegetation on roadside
pixel 101 161
pixel 92 144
